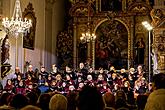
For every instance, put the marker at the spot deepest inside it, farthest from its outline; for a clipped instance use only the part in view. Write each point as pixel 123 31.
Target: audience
pixel 30 107
pixel 19 101
pixel 156 100
pixel 43 101
pixel 32 98
pixel 109 100
pixel 141 101
pixel 90 98
pixel 71 97
pixel 58 102
pixel 83 90
pixel 5 98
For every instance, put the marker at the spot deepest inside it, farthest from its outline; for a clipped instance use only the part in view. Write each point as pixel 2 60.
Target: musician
pixel 133 74
pixel 53 86
pixel 101 71
pixel 20 88
pixel 44 73
pixel 29 80
pixel 41 80
pixel 69 72
pixel 79 80
pixel 17 80
pixel 141 86
pixel 9 87
pixel 30 72
pixel 140 71
pixel 116 79
pixel 59 82
pixel 80 86
pixel 132 77
pixel 92 72
pixel 104 88
pixel 129 92
pixel 17 71
pixel 109 78
pixel 89 81
pixel 83 70
pixel 100 81
pixel 123 75
pixel 54 71
pixel 49 80
pixel 112 69
pixel 68 80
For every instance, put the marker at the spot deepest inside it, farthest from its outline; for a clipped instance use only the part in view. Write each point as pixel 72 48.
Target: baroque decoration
pixel 65 49
pixel 116 26
pixel 158 22
pixel 111 46
pixel 29 37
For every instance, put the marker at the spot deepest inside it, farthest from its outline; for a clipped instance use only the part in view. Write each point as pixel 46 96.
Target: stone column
pixel 93 54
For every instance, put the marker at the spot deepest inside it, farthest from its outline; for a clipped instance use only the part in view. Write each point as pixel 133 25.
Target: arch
pixel 128 36
pixel 106 19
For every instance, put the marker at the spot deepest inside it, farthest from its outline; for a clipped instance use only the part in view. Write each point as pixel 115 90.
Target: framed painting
pixel 29 37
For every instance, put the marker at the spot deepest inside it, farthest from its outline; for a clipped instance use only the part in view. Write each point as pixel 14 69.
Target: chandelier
pixel 16 24
pixel 88 36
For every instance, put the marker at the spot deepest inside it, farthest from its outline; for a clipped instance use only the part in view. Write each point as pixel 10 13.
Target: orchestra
pixel 67 80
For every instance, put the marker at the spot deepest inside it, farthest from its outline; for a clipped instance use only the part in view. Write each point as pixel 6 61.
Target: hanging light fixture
pixel 88 36
pixel 16 24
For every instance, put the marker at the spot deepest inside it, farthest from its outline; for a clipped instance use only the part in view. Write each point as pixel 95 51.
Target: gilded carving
pixel 80 9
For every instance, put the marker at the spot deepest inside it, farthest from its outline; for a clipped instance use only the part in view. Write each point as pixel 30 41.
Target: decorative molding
pixel 29 37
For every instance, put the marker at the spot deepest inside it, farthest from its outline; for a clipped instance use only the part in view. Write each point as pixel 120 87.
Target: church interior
pixel 58 26
pixel 58 35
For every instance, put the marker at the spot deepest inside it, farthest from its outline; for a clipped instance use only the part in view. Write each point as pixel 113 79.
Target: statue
pixel 154 56
pixel 156 15
pixel 5 51
pixel 140 46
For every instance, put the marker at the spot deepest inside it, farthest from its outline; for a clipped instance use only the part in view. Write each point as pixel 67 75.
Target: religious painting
pixel 29 36
pixel 65 49
pixel 111 45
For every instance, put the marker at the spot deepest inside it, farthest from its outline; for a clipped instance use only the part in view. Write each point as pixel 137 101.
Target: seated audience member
pixel 121 100
pixel 129 92
pixel 141 101
pixel 43 101
pixel 58 102
pixel 121 104
pixel 156 100
pixel 109 100
pixel 4 98
pixel 90 98
pixel 71 97
pixel 30 107
pixel 32 96
pixel 19 101
pixel 5 107
pixel 9 86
